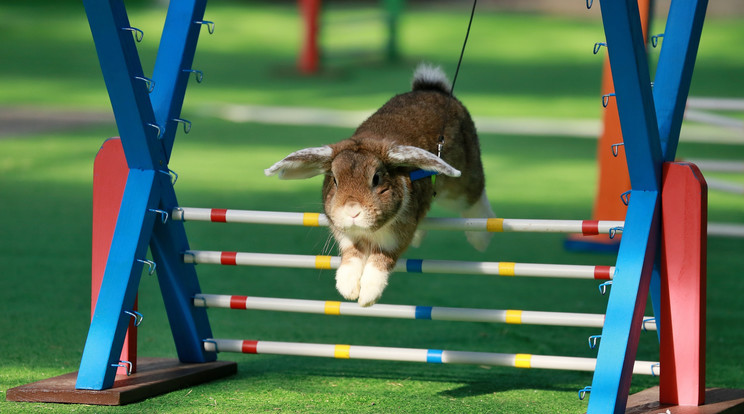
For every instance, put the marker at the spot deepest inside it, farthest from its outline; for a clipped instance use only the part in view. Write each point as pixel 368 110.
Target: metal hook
pixel 138 34
pixel 186 124
pixel 589 4
pixel 653 373
pixel 148 82
pixel 173 175
pixel 210 25
pixel 137 317
pixel 210 341
pixel 150 264
pixel 198 75
pixel 124 364
pixel 615 149
pixel 614 231
pixel 603 287
pixel 655 39
pixel 163 214
pixel 583 392
pixel 606 99
pixel 625 197
pixel 156 126
pixel 598 46
pixel 593 341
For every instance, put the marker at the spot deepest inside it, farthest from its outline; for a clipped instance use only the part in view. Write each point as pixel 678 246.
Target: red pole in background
pixel 310 52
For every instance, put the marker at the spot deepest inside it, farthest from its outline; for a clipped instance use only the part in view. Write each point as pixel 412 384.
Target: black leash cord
pixel 464 43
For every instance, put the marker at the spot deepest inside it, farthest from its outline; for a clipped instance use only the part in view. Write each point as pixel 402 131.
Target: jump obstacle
pixel 494 225
pixel 663 194
pixel 509 316
pixel 405 265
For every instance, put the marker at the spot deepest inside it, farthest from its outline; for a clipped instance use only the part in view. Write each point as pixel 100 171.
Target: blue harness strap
pixel 419 174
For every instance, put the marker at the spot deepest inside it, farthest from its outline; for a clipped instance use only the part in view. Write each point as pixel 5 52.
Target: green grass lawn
pixel 547 70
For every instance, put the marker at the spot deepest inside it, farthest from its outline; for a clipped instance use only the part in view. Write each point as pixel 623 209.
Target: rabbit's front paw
pixel 348 276
pixel 373 283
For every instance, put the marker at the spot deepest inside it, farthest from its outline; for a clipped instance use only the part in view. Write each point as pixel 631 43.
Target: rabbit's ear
pixel 405 155
pixel 304 163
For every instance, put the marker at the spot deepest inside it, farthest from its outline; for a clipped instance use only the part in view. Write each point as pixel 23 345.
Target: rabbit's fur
pixel 371 202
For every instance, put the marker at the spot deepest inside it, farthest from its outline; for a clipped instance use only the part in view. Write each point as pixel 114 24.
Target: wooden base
pixel 154 376
pixel 717 400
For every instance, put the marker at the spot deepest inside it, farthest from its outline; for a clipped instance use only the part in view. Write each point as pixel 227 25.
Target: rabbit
pixel 373 202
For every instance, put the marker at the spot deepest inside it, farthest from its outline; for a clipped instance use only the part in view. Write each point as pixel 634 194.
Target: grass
pixel 547 71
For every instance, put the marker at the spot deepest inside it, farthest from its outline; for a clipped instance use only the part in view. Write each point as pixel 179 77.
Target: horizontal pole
pixel 404 265
pixel 709 165
pixel 510 316
pixel 434 356
pixel 716 104
pixel 725 186
pixel 726 229
pixel 496 225
pixel 714 119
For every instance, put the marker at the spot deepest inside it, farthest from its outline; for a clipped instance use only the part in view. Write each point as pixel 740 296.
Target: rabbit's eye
pixel 376 180
pixel 334 181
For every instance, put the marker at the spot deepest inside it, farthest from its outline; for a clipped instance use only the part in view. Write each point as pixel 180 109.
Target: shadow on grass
pixel 462 381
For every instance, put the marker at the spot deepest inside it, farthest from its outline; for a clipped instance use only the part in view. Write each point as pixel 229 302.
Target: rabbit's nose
pixel 353 209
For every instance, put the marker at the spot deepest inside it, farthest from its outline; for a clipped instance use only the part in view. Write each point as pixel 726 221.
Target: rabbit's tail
pixel 429 77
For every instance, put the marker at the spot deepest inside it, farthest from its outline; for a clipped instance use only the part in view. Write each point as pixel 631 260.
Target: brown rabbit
pixel 372 195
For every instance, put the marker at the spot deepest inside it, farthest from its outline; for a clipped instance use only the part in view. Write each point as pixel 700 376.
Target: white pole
pixel 718 165
pixel 726 229
pixel 714 119
pixel 588 227
pixel 725 186
pixel 720 104
pixel 511 316
pixel 434 356
pixel 404 265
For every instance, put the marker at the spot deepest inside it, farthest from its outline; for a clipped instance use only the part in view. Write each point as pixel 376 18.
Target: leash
pixel 419 174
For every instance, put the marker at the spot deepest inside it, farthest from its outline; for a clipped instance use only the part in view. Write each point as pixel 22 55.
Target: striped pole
pixel 432 356
pixel 404 265
pixel 510 316
pixel 585 227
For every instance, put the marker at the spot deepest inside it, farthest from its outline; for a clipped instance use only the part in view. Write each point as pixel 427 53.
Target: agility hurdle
pixel 403 265
pixel 147 112
pixel 434 313
pixel 494 225
pixel 431 356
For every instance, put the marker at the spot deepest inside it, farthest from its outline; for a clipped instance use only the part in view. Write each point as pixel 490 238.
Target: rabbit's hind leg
pixel 480 209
